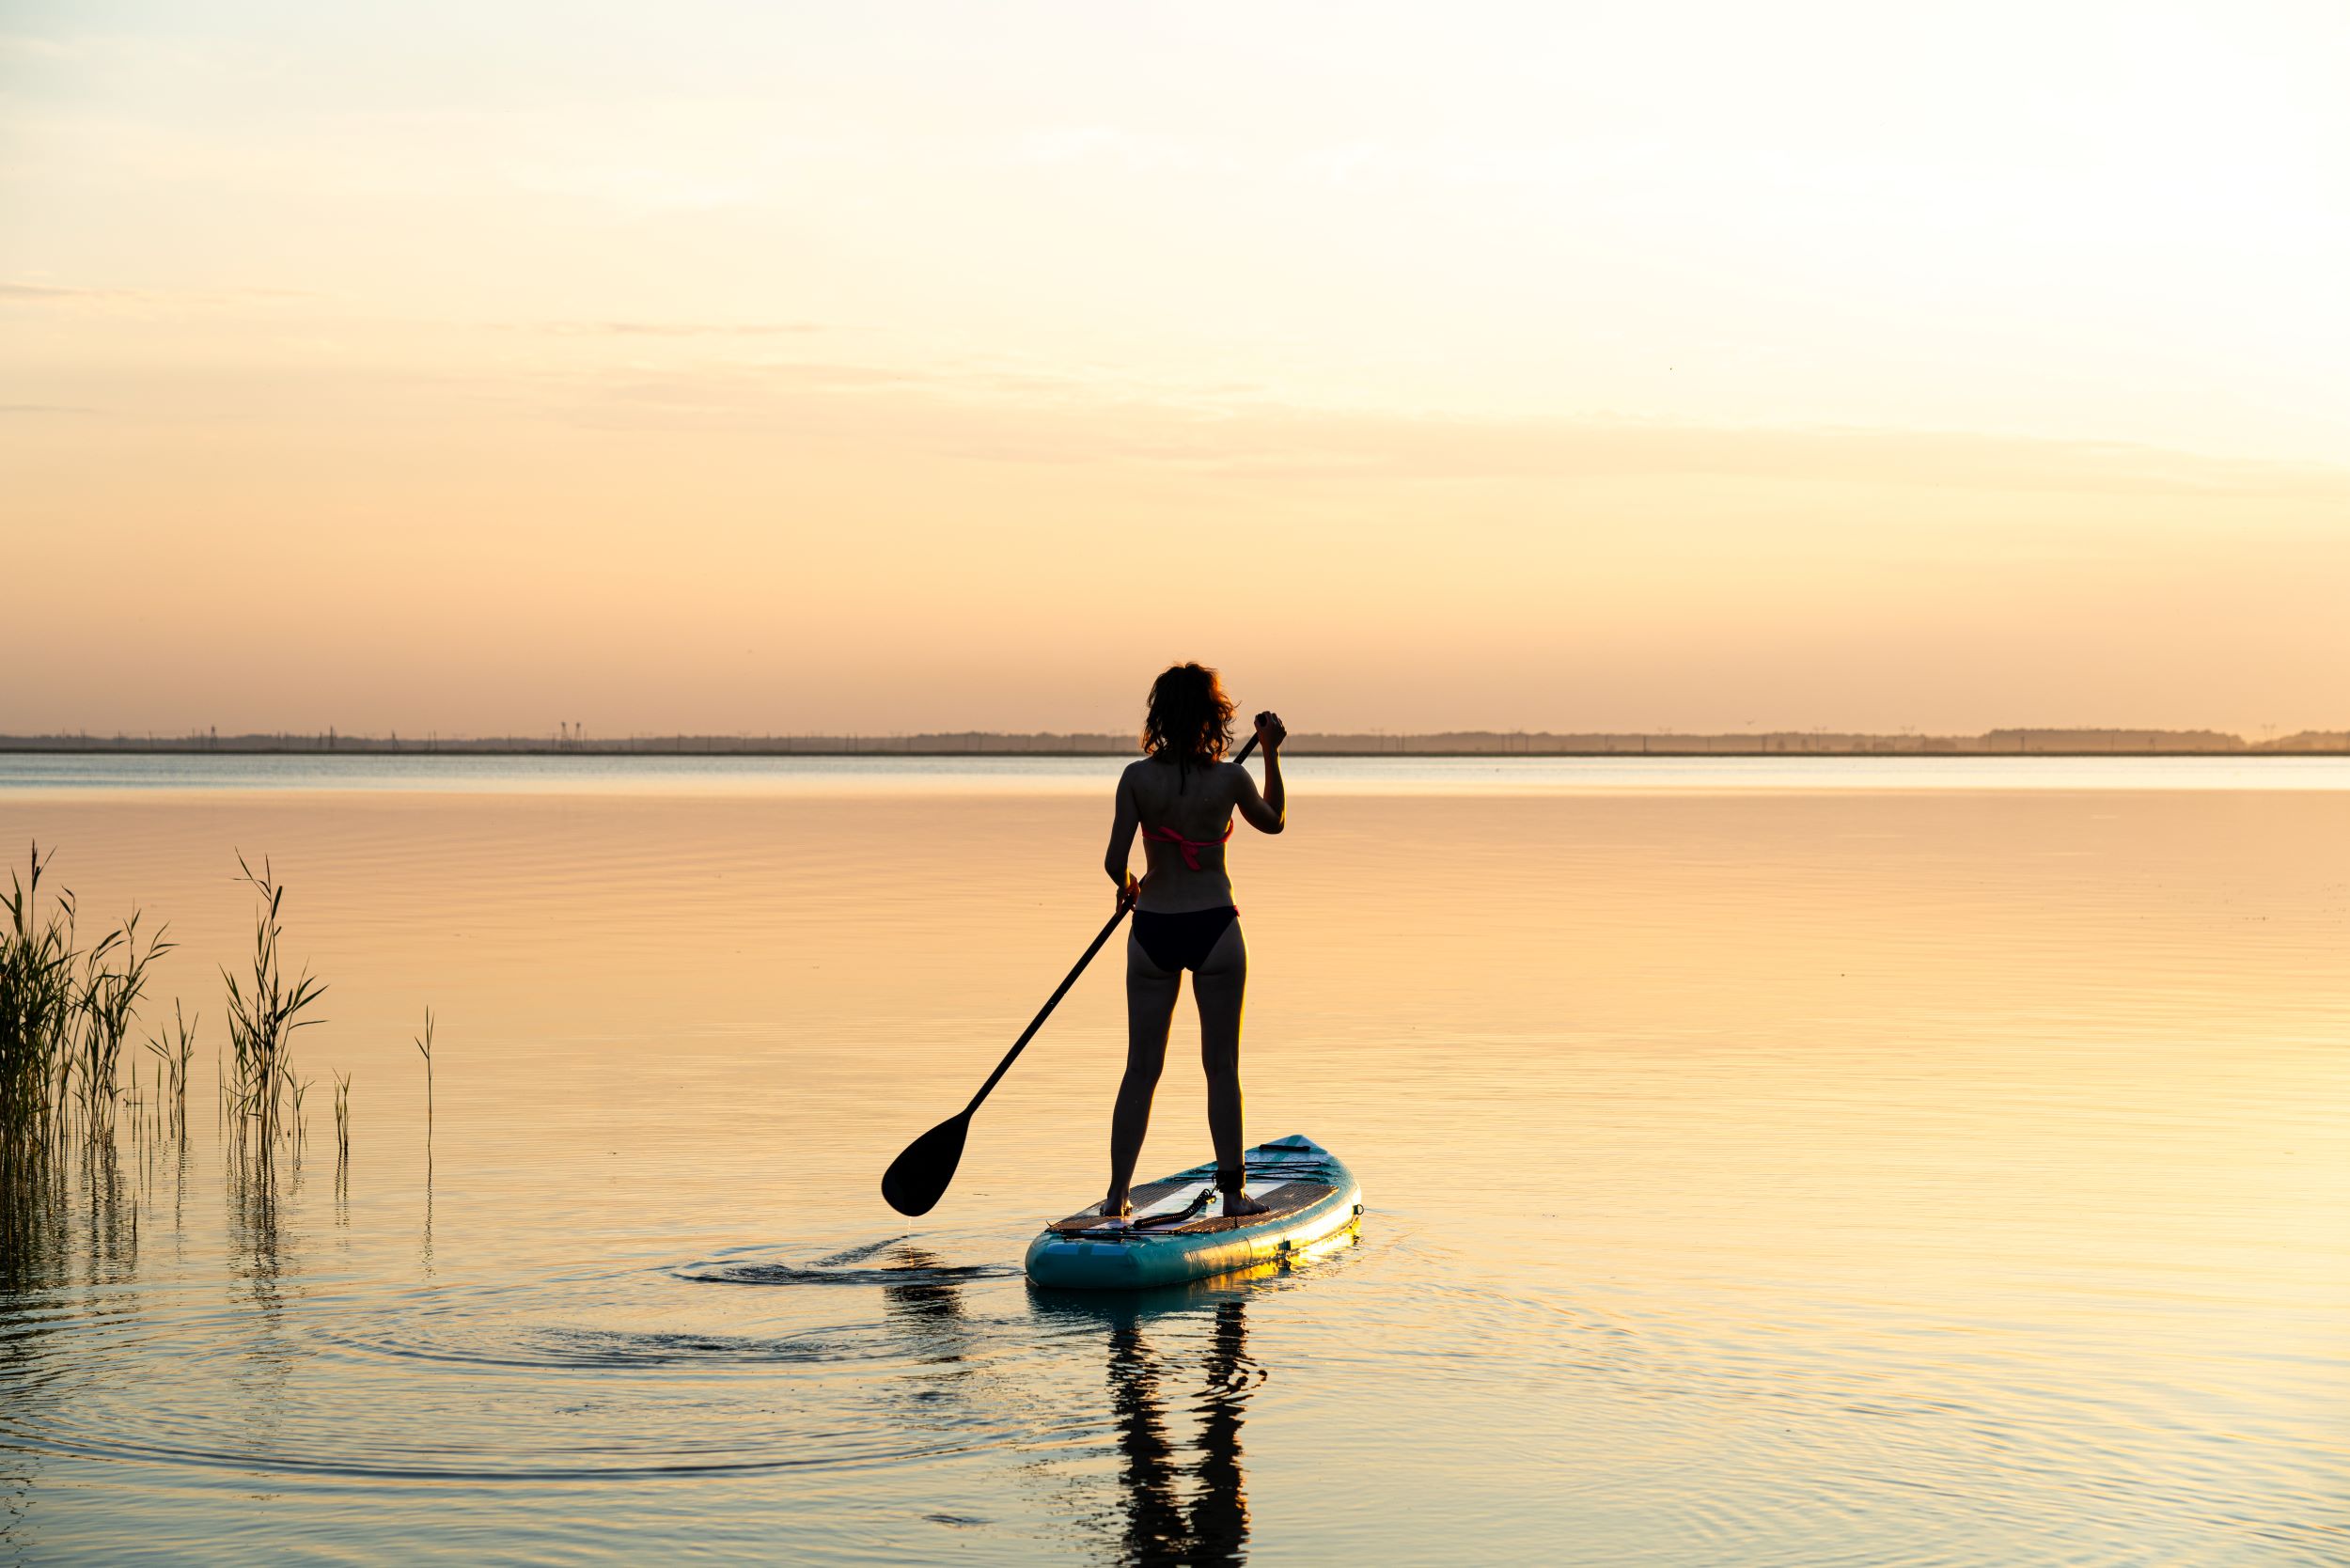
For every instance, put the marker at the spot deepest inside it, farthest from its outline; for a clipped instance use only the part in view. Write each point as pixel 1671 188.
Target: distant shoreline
pixel 1462 744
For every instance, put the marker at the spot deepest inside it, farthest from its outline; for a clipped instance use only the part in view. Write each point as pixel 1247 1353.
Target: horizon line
pixel 572 741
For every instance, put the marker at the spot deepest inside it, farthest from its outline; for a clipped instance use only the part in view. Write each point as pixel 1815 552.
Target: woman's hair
pixel 1189 716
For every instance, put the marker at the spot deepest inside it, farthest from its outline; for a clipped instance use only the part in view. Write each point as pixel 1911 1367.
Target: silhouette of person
pixel 1181 797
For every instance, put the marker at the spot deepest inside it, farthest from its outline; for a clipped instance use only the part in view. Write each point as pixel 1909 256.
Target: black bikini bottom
pixel 1183 940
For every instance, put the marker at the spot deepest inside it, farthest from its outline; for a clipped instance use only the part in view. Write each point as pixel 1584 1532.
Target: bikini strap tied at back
pixel 1191 847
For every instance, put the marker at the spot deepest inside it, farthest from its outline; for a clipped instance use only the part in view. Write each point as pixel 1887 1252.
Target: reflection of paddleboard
pixel 1178 1232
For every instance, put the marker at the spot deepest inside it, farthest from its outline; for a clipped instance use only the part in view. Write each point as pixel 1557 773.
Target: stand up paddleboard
pixel 1177 1232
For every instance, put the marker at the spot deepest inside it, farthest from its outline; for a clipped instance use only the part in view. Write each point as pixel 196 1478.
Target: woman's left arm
pixel 1124 821
pixel 1267 813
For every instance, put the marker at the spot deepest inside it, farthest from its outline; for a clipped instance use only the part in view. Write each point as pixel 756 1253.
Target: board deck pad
pixel 1173 1196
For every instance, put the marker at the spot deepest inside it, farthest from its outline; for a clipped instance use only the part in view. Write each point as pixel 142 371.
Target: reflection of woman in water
pixel 1157 1527
pixel 1157 1530
pixel 1182 797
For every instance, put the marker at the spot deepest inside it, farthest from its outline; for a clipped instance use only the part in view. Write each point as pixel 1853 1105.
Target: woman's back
pixel 1185 814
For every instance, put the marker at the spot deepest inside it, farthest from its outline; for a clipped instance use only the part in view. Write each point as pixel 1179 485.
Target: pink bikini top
pixel 1191 847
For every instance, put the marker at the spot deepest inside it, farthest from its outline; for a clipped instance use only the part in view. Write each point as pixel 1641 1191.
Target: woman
pixel 1181 796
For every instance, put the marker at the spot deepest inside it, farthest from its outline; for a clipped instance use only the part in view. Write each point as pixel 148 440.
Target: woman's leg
pixel 1149 1008
pixel 1220 986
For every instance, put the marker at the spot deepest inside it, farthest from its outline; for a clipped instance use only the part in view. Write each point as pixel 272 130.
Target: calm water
pixel 1855 1163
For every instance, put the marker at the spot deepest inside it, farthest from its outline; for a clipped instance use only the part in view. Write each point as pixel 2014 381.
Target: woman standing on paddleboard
pixel 1182 797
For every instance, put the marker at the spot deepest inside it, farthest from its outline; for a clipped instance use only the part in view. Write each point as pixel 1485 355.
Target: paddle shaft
pixel 1054 1001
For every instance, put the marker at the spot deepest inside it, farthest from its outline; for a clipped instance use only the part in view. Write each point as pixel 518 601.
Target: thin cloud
pixel 60 293
pixel 1007 417
pixel 666 329
pixel 35 48
pixel 54 292
pixel 745 388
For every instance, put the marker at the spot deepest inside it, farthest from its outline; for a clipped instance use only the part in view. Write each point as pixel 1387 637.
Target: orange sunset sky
pixel 774 368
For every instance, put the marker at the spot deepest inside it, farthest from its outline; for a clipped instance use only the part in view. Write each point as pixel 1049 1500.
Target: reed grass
pixel 67 1012
pixel 424 1048
pixel 263 1013
pixel 113 978
pixel 172 1055
pixel 36 988
pixel 64 1011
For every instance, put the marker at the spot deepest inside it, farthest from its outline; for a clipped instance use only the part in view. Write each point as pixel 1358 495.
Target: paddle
pixel 917 1179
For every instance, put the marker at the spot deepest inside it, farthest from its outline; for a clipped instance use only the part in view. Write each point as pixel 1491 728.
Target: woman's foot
pixel 1114 1208
pixel 1237 1198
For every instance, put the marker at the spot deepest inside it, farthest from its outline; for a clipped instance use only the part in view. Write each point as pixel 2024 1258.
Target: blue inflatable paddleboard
pixel 1177 1232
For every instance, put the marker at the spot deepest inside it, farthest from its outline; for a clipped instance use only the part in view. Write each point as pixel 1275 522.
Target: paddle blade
pixel 917 1179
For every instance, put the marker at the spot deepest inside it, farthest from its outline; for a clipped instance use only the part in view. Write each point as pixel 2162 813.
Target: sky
pixel 772 369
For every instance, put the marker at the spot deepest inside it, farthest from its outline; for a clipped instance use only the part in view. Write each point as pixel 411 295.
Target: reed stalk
pixel 114 976
pixel 263 1013
pixel 173 1056
pixel 424 1050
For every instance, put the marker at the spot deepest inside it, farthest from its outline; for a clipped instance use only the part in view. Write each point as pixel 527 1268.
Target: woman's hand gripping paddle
pixel 917 1179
